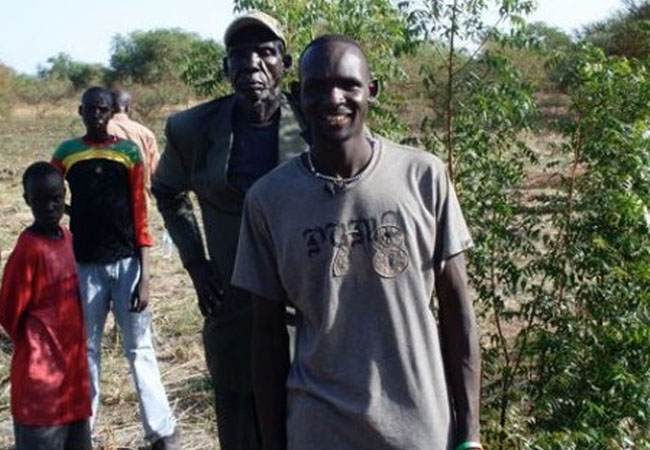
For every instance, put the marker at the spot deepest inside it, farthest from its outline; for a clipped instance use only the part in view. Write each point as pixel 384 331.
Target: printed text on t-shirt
pixel 362 243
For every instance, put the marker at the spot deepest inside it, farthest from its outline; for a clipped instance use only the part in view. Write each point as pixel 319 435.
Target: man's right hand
pixel 208 287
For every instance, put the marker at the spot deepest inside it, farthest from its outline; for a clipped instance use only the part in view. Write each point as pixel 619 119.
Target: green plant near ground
pixel 481 105
pixel 589 364
pixel 568 293
pixel 490 168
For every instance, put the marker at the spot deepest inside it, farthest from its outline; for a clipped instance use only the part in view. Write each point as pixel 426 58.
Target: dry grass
pixel 177 321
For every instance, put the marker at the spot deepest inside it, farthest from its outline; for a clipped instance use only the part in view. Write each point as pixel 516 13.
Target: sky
pixel 33 30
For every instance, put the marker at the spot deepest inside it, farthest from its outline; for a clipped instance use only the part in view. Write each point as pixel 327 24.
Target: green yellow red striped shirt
pixel 108 196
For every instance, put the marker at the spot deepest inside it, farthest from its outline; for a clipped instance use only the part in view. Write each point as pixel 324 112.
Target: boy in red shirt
pixel 40 309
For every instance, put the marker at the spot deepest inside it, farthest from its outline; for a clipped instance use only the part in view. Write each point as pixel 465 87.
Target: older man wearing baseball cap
pixel 218 150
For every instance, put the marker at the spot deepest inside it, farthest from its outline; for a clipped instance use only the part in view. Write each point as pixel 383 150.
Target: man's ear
pixel 287 60
pixel 224 66
pixel 26 198
pixel 295 91
pixel 80 110
pixel 373 88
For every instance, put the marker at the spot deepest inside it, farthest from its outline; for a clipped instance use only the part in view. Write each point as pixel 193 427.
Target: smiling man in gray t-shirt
pixel 356 235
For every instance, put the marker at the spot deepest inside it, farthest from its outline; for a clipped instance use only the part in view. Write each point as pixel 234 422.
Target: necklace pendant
pixel 337 181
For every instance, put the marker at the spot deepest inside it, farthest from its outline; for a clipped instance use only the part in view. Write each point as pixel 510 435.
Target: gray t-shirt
pixel 359 265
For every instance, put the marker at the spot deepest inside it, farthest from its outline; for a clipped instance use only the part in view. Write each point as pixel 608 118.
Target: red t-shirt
pixel 40 308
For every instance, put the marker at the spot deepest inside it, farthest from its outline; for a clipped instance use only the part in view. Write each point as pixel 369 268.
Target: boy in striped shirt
pixel 108 220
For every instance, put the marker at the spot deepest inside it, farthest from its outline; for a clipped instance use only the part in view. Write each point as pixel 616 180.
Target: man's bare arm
pixel 270 355
pixel 461 352
pixel 141 295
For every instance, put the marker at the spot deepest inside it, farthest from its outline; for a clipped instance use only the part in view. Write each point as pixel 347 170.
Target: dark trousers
pixel 234 403
pixel 237 421
pixel 71 436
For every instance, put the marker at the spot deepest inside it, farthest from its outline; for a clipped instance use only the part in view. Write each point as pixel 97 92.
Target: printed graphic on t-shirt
pixel 376 244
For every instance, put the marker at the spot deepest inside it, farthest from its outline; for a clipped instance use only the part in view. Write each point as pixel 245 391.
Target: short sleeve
pixel 256 267
pixel 452 235
pixel 17 288
pixel 57 162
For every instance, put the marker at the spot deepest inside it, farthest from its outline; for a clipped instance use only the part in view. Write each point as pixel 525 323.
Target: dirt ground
pixel 177 321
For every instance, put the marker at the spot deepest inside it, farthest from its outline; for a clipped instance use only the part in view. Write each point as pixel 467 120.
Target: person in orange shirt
pixel 122 126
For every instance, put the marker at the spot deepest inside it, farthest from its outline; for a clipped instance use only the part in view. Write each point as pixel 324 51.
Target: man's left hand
pixel 140 298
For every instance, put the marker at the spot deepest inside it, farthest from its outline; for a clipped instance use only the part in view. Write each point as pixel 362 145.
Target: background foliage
pixel 149 57
pixel 561 267
pixel 80 75
pixel 626 33
pixel 594 393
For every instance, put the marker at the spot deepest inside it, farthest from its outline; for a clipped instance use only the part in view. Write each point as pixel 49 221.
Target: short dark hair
pixel 38 171
pixel 121 98
pixel 329 38
pixel 97 90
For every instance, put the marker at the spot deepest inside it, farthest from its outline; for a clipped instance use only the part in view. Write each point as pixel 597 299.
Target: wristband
pixel 467 445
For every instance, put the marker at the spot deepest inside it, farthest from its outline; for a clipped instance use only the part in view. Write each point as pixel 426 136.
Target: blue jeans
pixel 106 285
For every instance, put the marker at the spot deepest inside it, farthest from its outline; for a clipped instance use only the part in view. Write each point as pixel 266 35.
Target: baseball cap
pixel 254 18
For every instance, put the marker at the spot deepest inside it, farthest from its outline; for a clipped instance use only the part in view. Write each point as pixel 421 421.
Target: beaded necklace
pixel 338 180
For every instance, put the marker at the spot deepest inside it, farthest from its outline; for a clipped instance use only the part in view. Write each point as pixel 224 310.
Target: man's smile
pixel 337 120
